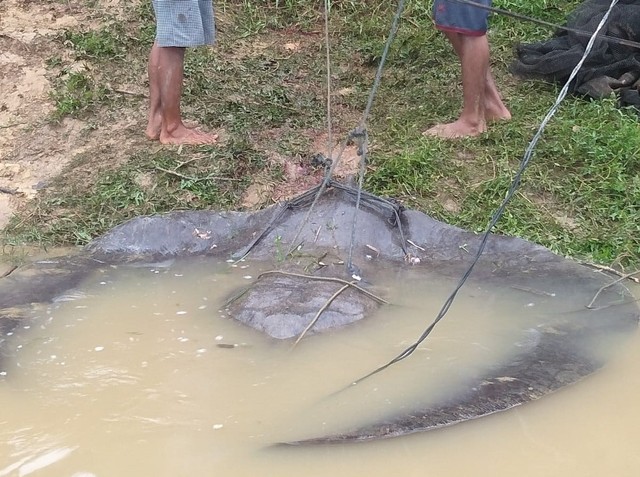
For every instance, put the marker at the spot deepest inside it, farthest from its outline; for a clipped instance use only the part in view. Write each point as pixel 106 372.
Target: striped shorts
pixel 457 17
pixel 184 23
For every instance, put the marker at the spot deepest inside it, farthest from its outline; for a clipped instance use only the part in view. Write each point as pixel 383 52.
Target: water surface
pixel 140 372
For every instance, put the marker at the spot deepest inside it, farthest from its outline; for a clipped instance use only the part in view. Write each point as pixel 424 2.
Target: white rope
pixel 327 11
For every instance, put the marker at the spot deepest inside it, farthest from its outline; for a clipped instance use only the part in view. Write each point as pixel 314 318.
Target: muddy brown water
pixel 140 372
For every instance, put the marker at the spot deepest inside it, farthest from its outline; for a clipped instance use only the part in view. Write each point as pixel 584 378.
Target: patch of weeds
pixel 255 17
pixel 73 212
pixel 247 94
pixel 76 92
pixel 13 254
pixel 590 164
pixel 53 61
pixel 291 143
pixel 412 173
pixel 106 44
pixel 146 25
pixel 73 216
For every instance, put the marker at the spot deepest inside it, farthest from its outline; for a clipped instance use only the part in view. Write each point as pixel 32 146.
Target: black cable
pixel 519 16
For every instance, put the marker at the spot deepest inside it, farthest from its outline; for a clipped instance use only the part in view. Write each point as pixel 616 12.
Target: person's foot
pixel 455 130
pixel 496 112
pixel 183 135
pixel 154 127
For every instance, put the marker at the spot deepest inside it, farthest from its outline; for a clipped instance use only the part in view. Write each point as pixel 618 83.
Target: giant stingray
pixel 554 355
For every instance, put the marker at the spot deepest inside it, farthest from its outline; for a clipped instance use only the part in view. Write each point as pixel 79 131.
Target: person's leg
pixel 170 72
pixel 473 52
pixel 465 27
pixel 494 108
pixel 178 25
pixel 155 107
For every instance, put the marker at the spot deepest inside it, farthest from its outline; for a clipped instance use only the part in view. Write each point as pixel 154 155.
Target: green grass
pixel 76 93
pixel 579 196
pixel 73 211
pixel 104 45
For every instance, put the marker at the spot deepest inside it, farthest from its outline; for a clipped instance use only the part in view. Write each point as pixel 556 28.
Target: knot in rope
pixel 360 137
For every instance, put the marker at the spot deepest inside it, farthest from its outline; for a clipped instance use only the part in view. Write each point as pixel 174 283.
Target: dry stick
pixel 9 272
pixel 320 311
pixel 6 190
pixel 604 307
pixel 612 270
pixel 327 279
pixel 603 288
pixel 195 179
pixel 182 164
pixel 130 93
pixel 416 245
pixel 533 290
pixel 236 297
pixel 12 125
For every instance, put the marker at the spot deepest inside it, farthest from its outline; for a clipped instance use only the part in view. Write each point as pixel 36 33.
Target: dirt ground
pixel 34 149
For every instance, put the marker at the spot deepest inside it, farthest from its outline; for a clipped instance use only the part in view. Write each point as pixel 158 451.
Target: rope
pixel 362 135
pixel 498 213
pixel 327 8
pixel 391 211
pixel 383 59
pixel 360 130
pixel 362 152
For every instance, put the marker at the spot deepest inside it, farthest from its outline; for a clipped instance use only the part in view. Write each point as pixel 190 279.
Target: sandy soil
pixel 33 150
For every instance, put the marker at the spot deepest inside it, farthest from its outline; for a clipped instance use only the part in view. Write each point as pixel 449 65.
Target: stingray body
pixel 547 357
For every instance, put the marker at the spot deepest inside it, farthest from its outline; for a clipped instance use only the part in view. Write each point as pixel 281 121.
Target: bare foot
pixel 187 136
pixel 496 112
pixel 455 130
pixel 154 127
pixel 152 134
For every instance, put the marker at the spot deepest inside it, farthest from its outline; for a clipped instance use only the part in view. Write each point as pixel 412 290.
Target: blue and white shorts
pixel 184 23
pixel 458 17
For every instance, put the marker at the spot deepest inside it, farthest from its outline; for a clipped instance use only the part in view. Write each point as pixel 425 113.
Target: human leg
pixel 494 107
pixel 179 24
pixel 165 92
pixel 465 28
pixel 473 52
pixel 154 123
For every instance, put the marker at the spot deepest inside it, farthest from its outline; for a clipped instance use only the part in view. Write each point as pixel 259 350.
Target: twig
pixel 130 93
pixel 6 190
pixel 324 307
pixel 12 125
pixel 9 271
pixel 327 279
pixel 195 179
pixel 532 290
pixel 182 164
pixel 624 302
pixel 416 245
pixel 613 270
pixel 235 297
pixel 603 288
